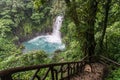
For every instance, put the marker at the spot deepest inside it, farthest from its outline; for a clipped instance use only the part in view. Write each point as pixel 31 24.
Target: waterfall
pixel 48 43
pixel 55 37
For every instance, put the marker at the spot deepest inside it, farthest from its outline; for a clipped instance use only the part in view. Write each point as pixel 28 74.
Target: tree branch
pixel 107 8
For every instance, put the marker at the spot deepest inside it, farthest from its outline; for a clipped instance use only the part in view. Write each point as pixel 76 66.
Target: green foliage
pixel 73 46
pixel 27 28
pixel 58 7
pixel 19 20
pixel 5 26
pixel 37 4
pixel 69 31
pixel 74 52
pixel 8 51
pixel 113 41
pixel 36 17
pixel 23 18
pixel 114 75
pixel 18 59
pixel 32 58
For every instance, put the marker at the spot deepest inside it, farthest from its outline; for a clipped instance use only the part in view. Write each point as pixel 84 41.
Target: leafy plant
pixel 114 75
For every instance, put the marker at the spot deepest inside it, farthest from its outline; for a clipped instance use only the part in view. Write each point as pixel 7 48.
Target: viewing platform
pixel 79 70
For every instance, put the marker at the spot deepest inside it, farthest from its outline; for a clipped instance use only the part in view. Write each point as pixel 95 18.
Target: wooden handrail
pixel 67 68
pixel 7 74
pixel 109 60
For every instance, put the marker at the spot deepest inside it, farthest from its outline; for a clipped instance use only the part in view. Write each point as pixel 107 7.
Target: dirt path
pixel 93 71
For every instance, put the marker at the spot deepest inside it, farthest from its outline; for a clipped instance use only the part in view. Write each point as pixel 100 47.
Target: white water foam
pixel 48 43
pixel 55 37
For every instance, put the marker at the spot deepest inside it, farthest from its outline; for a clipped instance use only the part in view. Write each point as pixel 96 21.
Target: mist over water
pixel 48 43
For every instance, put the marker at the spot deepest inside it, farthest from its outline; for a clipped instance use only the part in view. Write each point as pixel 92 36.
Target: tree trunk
pixel 107 8
pixel 89 44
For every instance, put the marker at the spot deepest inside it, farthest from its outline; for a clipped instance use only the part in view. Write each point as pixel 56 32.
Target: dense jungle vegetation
pixel 90 27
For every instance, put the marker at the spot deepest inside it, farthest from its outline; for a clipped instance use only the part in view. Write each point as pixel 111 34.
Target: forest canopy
pixel 90 27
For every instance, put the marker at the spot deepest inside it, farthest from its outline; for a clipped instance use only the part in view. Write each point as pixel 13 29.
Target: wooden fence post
pixel 6 77
pixel 52 73
pixel 68 71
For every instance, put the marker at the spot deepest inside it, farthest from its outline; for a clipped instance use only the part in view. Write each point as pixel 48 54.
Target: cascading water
pixel 55 37
pixel 48 43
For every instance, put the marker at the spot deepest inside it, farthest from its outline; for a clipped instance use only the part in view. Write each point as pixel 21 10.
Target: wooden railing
pixel 109 61
pixel 57 71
